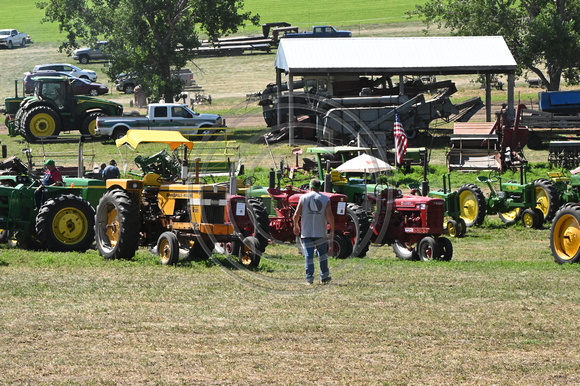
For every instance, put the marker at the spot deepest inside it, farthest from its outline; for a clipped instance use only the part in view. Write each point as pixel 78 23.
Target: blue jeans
pixel 308 245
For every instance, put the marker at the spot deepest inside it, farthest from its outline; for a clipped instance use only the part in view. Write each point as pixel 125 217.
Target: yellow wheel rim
pixel 92 127
pixel 512 215
pixel 451 228
pixel 112 231
pixel 542 200
pixel 528 220
pixel 246 257
pixel 468 206
pixel 566 237
pixel 70 226
pixel 42 125
pixel 164 251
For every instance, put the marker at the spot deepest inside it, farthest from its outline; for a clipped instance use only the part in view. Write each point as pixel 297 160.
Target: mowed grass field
pixel 501 312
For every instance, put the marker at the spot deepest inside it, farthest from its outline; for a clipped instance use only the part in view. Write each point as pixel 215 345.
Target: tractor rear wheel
pixel 41 121
pixel 428 249
pixel 358 227
pixel 404 251
pixel 168 248
pixel 510 217
pixel 565 235
pixel 117 225
pixel 471 205
pixel 547 198
pixel 66 223
pixel 261 221
pixel 445 249
pixel 90 123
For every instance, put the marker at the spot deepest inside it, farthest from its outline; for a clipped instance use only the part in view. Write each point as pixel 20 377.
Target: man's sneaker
pixel 326 280
pixel 309 282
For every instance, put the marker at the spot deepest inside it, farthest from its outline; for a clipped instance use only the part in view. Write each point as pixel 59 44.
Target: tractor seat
pixel 337 179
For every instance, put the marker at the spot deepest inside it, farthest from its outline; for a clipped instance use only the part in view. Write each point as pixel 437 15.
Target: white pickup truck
pixel 10 38
pixel 160 116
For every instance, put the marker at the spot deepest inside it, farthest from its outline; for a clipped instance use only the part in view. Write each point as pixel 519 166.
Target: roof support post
pixel 291 110
pixel 488 97
pixel 278 97
pixel 401 84
pixel 510 95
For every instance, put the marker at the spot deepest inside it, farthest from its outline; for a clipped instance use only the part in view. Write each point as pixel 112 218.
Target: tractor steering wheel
pixel 250 181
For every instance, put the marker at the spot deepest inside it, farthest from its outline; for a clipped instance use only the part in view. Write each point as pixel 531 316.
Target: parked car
pixel 80 86
pixel 85 55
pixel 67 69
pixel 127 82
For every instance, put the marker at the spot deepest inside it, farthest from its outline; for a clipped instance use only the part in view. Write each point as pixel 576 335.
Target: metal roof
pixel 408 56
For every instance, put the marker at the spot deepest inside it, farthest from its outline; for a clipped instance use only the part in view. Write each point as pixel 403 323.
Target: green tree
pixel 147 38
pixel 543 35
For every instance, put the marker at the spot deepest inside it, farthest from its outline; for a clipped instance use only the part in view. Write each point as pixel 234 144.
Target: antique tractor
pixel 64 222
pixel 412 225
pixel 512 202
pixel 453 222
pixel 170 215
pixel 350 220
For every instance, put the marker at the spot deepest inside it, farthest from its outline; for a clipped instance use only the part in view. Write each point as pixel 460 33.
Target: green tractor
pixel 54 108
pixel 454 223
pixel 512 202
pixel 65 222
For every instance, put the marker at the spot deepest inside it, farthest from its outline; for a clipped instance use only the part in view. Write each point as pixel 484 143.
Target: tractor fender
pixel 35 103
pixel 133 188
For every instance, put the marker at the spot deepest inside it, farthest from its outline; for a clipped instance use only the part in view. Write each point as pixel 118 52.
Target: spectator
pixel 52 177
pixel 315 211
pixel 111 171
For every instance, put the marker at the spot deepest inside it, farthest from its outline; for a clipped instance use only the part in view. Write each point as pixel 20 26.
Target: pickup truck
pixel 160 116
pixel 322 31
pixel 10 38
pixel 85 55
pixel 126 82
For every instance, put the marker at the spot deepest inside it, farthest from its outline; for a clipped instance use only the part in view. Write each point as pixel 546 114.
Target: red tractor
pixel 351 222
pixel 412 225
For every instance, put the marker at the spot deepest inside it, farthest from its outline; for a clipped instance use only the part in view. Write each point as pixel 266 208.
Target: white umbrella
pixel 364 163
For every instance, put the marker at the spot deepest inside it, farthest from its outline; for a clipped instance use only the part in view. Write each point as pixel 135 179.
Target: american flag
pixel 400 139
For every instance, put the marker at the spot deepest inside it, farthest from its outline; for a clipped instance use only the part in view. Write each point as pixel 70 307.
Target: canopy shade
pixel 136 137
pixel 364 163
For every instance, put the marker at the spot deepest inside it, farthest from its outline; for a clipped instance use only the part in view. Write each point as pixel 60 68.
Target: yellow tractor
pixel 171 214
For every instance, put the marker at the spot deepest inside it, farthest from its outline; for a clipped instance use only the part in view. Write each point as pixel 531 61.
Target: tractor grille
pixel 213 213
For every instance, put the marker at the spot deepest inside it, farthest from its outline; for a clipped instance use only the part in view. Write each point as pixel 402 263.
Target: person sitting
pixel 111 171
pixel 52 177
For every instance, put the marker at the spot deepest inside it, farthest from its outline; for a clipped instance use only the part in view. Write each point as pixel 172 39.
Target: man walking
pixel 315 210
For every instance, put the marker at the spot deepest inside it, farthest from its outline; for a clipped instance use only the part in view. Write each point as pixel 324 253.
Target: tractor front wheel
pixel 445 249
pixel 565 235
pixel 250 252
pixel 117 225
pixel 510 217
pixel 168 248
pixel 428 249
pixel 471 205
pixel 404 251
pixel 342 247
pixel 66 224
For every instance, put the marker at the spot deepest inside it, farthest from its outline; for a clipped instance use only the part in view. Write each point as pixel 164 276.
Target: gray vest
pixel 314 214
